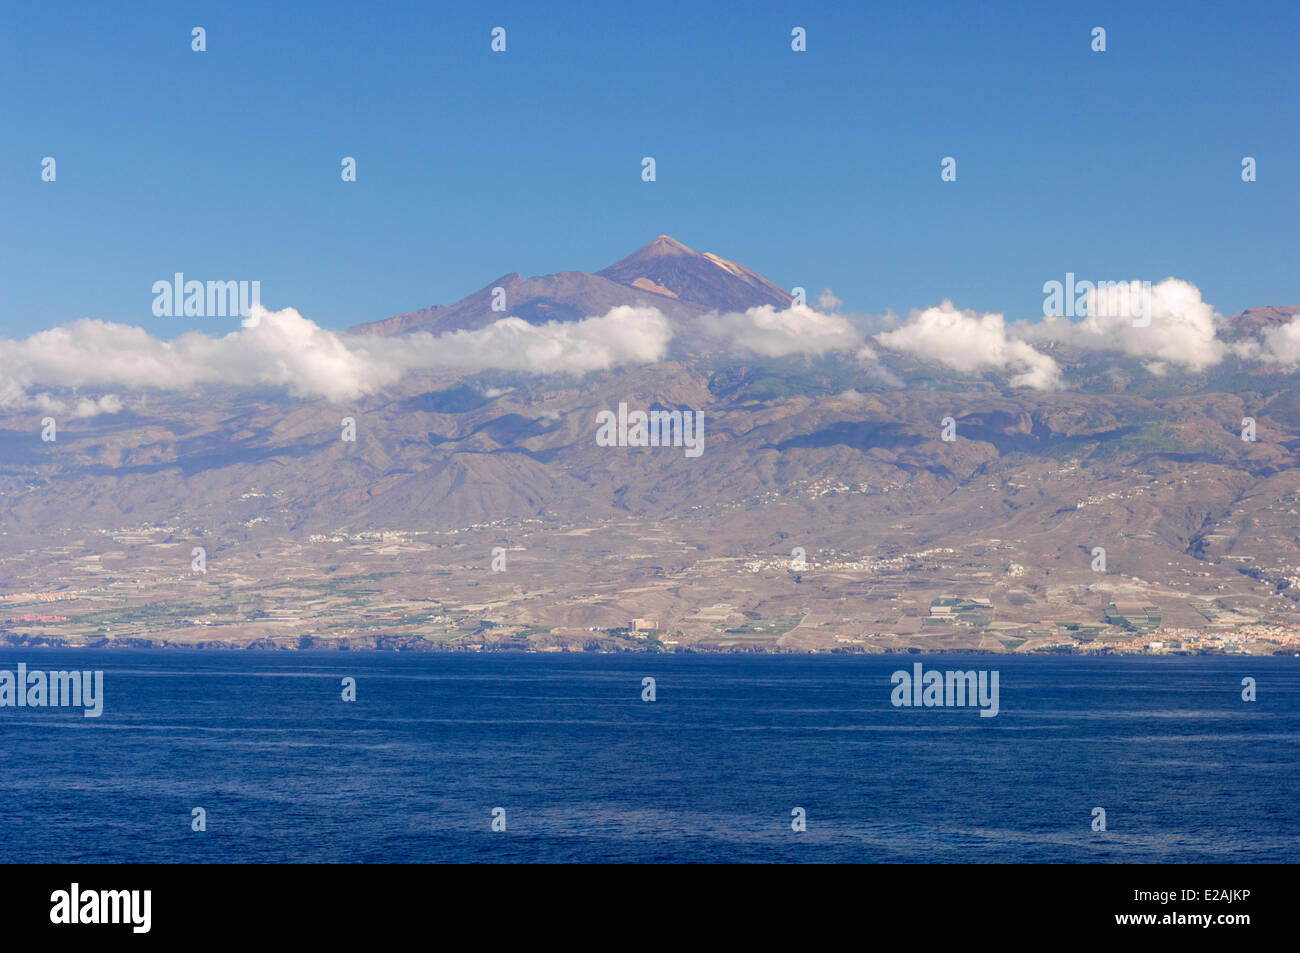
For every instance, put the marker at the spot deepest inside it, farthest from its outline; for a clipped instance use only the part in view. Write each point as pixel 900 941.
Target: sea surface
pixel 710 771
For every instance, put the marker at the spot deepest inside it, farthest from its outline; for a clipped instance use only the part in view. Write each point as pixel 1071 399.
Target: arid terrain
pixel 476 510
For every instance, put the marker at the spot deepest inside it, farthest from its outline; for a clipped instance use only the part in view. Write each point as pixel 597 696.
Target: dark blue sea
pixel 711 770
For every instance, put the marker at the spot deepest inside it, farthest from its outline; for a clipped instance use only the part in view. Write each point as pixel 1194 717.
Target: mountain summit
pixel 665 273
pixel 667 267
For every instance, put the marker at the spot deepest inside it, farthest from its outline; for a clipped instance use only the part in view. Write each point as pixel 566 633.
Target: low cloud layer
pixel 1277 345
pixel 1182 329
pixel 1169 327
pixel 769 332
pixel 282 349
pixel 972 343
pixel 626 335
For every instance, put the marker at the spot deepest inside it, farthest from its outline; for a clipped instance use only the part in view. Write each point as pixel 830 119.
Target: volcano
pixel 664 273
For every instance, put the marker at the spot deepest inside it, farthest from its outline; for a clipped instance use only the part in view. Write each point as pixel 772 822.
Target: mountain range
pixel 828 510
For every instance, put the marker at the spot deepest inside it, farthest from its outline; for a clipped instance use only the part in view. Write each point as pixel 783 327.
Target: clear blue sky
pixel 817 169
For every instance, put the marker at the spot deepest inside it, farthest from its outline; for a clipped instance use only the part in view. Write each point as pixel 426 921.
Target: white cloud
pixel 769 332
pixel 828 302
pixel 1281 344
pixel 626 335
pixel 15 397
pixel 1183 328
pixel 285 350
pixel 972 343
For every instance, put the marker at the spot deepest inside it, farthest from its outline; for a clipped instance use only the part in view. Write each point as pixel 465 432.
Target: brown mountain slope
pixel 567 296
pixel 394 536
pixel 1254 321
pixel 668 266
pixel 665 273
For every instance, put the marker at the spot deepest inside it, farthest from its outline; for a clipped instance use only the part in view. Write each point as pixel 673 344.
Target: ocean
pixel 714 769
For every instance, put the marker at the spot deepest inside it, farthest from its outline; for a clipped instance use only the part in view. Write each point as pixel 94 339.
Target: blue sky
pixel 818 169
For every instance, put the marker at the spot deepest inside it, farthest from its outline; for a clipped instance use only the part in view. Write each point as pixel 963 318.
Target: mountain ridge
pixel 664 273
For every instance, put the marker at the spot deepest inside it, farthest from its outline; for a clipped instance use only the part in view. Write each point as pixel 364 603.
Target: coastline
pixel 396 644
